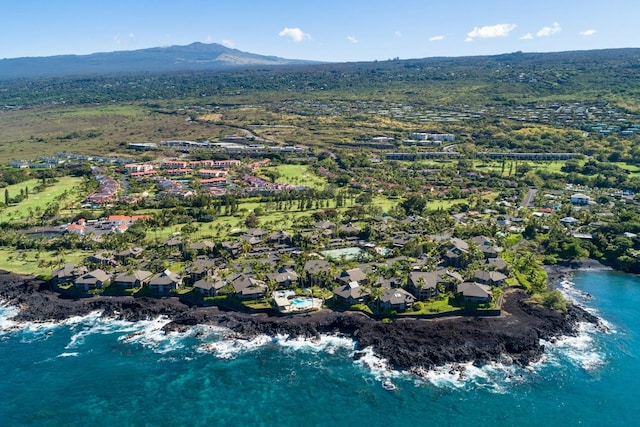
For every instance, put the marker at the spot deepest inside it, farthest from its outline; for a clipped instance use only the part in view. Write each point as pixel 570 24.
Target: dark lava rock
pixel 405 343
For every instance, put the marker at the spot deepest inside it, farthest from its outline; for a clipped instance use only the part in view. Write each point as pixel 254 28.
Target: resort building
pixel 287 302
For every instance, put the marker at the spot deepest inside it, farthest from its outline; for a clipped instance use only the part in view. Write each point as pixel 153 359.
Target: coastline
pixel 564 270
pixel 407 344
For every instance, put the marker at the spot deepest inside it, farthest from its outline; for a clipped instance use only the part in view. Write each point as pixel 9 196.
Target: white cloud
pixel 468 39
pixel 588 32
pixel 527 36
pixel 436 38
pixel 228 43
pixel 490 31
pixel 295 34
pixel 398 34
pixel 352 39
pixel 547 31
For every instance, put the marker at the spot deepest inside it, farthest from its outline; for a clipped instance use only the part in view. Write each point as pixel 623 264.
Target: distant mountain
pixel 196 56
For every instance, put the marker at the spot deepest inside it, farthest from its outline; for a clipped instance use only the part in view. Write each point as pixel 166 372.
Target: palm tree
pixel 376 293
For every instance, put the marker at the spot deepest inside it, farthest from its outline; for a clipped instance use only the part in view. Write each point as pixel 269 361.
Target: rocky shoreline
pixel 405 343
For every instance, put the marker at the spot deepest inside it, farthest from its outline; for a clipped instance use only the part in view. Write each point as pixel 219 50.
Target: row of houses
pixel 420 286
pixel 162 283
pixel 107 190
pixel 198 164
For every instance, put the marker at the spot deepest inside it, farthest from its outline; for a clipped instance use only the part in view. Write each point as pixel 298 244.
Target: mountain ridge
pixel 192 57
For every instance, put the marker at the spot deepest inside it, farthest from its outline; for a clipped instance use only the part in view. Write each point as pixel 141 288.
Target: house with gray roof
pixel 131 253
pixel 202 247
pixel 353 275
pixel 317 271
pixel 351 293
pixel 285 277
pixel 492 278
pixel 498 264
pixel 423 284
pixel 475 292
pixel 136 279
pixel 68 273
pixel 249 287
pixel 280 238
pixel 209 286
pixel 456 255
pixel 92 280
pixel 396 299
pixel 199 269
pixel 165 282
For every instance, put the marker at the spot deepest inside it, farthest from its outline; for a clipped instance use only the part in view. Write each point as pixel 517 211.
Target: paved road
pixel 527 202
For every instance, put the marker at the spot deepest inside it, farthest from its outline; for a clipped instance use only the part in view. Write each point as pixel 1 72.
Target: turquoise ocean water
pixel 94 372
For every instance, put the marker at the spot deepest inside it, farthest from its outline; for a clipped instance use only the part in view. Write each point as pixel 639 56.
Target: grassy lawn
pixel 271 220
pixel 444 204
pixel 384 203
pixel 25 261
pixel 20 211
pixel 634 170
pixel 300 175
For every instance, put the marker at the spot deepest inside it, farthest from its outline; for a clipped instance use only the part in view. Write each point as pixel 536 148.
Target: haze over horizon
pixel 329 31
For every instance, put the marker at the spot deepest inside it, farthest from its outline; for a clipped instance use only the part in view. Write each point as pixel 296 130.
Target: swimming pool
pixel 348 253
pixel 300 303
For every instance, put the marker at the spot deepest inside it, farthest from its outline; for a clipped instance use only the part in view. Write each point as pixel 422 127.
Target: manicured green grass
pixel 444 204
pixel 434 306
pixel 27 261
pixel 634 170
pixel 384 203
pixel 300 175
pixel 20 211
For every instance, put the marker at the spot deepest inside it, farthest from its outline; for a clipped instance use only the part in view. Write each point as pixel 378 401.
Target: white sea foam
pixel 324 343
pixel 72 354
pixel 150 334
pixel 231 346
pixel 583 299
pixel 225 344
pixel 7 313
pixel 379 368
pixel 580 350
pixel 494 377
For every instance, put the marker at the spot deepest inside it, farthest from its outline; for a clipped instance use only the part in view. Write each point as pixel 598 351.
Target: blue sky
pixel 328 30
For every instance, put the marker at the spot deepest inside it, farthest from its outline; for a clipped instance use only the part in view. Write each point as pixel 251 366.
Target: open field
pixel 223 226
pixel 634 170
pixel 300 175
pixel 96 129
pixel 21 211
pixel 28 261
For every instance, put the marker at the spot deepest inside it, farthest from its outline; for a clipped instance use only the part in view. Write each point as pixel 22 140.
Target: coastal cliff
pixel 405 343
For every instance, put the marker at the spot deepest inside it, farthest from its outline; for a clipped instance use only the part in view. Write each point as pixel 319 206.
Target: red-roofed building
pixel 226 163
pixel 201 164
pixel 143 174
pixel 213 172
pixel 174 164
pixel 138 167
pixel 76 228
pixel 258 164
pixel 214 182
pixel 179 172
